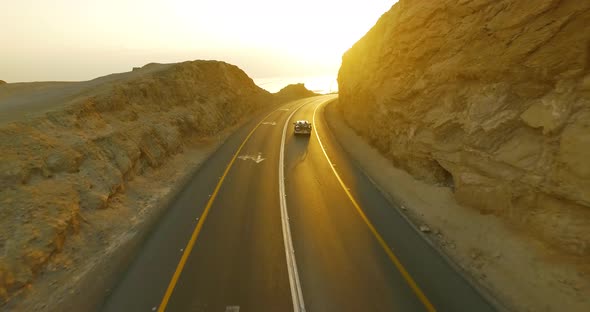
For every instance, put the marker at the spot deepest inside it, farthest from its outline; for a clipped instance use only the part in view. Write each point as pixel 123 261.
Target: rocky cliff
pixel 294 91
pixel 490 97
pixel 59 168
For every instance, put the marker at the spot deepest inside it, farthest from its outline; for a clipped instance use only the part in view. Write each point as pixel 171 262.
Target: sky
pixel 71 40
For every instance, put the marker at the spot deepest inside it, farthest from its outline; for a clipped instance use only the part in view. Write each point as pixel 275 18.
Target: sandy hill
pixel 294 91
pixel 69 148
pixel 27 99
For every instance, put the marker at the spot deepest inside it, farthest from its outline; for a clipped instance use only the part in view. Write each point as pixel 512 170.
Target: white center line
pixel 298 304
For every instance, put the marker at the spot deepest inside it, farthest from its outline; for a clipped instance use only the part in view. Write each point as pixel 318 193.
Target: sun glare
pixel 307 31
pixel 266 38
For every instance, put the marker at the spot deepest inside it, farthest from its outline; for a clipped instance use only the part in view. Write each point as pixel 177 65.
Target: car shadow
pixel 298 148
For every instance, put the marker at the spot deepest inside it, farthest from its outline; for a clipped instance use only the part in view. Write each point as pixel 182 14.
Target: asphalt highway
pixel 278 222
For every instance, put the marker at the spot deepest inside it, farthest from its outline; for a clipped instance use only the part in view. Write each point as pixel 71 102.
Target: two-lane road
pixel 269 224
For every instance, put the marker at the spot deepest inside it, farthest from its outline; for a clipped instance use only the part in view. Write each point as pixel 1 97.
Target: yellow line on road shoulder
pixel 195 235
pixel 427 304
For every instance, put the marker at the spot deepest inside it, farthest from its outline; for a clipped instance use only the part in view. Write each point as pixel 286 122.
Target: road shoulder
pixel 498 261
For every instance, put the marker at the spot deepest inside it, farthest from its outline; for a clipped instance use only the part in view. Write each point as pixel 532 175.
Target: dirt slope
pixel 489 97
pixel 65 166
pixel 28 99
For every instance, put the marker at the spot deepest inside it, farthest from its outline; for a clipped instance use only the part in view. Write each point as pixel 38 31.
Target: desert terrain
pixel 87 167
pixel 491 100
pixel 460 140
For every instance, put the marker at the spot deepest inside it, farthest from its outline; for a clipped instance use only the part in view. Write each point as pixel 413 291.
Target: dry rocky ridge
pixel 61 170
pixel 294 91
pixel 490 98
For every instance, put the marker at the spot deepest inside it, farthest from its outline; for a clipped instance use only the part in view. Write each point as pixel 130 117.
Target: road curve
pixel 267 224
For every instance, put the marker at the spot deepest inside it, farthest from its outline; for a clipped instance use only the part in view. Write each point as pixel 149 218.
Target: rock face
pixel 58 167
pixel 2 82
pixel 491 97
pixel 294 91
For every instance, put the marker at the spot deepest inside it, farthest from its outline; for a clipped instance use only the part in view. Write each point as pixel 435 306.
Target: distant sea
pixel 317 84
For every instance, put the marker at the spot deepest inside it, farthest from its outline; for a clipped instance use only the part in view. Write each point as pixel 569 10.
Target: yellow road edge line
pixel 195 235
pixel 413 285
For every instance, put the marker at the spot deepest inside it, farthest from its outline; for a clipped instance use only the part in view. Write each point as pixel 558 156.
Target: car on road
pixel 302 127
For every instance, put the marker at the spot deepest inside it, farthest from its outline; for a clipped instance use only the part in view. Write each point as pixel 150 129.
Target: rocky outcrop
pixel 57 168
pixel 491 97
pixel 2 82
pixel 294 91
